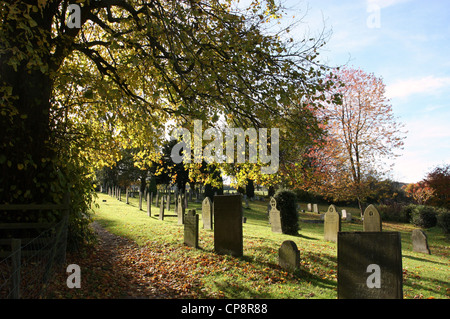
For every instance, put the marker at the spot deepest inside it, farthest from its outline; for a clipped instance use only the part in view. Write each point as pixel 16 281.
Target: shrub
pixel 424 216
pixel 443 219
pixel 393 212
pixel 286 200
pixel 407 212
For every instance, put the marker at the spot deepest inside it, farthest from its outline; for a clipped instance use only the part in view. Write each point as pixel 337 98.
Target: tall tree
pixel 73 96
pixel 362 133
pixel 439 181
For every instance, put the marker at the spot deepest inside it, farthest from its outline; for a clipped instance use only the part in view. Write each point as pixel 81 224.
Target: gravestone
pixel 180 211
pixel 149 205
pixel 316 208
pixel 289 255
pixel 191 229
pixel 372 219
pixel 207 216
pixel 228 225
pixel 309 207
pixel 369 265
pixel 346 216
pixel 420 242
pixel 161 209
pixel 168 201
pixel 332 224
pixel 275 217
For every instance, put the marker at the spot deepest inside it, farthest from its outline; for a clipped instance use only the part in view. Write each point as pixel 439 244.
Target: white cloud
pixel 426 146
pixel 384 3
pixel 405 88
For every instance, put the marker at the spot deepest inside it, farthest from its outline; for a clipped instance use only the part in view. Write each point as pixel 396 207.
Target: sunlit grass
pixel 257 274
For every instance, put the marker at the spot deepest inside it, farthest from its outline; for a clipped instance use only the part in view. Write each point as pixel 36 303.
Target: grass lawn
pixel 257 274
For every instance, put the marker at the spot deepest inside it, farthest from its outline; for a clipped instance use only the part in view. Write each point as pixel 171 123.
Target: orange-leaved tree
pixel 362 132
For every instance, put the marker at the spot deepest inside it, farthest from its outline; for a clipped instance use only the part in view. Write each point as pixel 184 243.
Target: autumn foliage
pixel 361 133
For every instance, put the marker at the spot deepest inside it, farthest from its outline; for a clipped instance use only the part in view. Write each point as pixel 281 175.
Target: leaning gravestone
pixel 207 216
pixel 332 224
pixel 275 217
pixel 316 208
pixel 420 242
pixel 191 229
pixel 161 209
pixel 369 265
pixel 228 225
pixel 180 211
pixel 372 219
pixel 289 255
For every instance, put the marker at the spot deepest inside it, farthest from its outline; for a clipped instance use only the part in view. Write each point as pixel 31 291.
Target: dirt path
pixel 118 268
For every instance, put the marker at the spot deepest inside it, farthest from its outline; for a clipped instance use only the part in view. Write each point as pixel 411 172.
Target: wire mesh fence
pixel 29 262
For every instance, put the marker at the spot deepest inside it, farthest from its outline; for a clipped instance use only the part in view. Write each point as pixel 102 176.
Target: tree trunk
pixel 26 163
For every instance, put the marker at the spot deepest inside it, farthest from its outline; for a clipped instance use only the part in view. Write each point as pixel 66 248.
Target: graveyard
pixel 341 115
pixel 162 254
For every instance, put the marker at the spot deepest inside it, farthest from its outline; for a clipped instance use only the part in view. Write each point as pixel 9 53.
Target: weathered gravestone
pixel 228 225
pixel 309 207
pixel 343 214
pixel 372 219
pixel 316 208
pixel 191 229
pixel 207 214
pixel 332 224
pixel 289 255
pixel 180 210
pixel 275 217
pixel 369 265
pixel 149 205
pixel 420 242
pixel 161 209
pixel 346 216
pixel 168 201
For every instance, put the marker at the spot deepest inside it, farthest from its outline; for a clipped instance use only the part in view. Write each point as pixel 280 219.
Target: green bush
pixel 407 212
pixel 286 204
pixel 394 212
pixel 443 219
pixel 424 216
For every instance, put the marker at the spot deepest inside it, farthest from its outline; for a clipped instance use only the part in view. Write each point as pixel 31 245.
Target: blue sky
pixel 407 43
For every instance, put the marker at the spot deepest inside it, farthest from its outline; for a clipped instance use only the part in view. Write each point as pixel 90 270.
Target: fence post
pixel 65 230
pixel 15 278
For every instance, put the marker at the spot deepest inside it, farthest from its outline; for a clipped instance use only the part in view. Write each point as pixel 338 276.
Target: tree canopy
pixel 74 97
